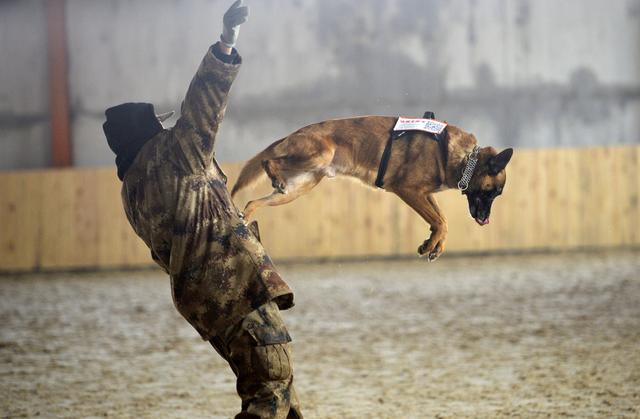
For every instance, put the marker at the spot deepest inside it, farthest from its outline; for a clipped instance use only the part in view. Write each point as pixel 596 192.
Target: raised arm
pixel 206 99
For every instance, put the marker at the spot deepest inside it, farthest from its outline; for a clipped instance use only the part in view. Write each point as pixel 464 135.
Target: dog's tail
pixel 252 170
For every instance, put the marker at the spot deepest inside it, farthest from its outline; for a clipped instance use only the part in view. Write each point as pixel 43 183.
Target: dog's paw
pixel 431 249
pixel 279 185
pixel 247 213
pixel 270 168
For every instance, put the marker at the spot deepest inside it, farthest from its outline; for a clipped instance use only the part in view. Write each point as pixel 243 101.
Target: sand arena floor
pixel 499 336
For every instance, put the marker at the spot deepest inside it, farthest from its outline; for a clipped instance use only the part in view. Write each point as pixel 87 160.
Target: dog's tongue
pixel 482 222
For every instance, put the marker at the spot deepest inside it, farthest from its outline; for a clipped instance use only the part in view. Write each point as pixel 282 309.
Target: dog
pixel 419 165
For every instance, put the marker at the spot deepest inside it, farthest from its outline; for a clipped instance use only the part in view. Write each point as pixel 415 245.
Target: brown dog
pixel 418 167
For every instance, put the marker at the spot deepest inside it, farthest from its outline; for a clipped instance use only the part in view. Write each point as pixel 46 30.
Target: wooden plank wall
pixel 554 199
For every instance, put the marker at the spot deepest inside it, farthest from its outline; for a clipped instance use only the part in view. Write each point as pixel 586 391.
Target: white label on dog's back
pixel 419 124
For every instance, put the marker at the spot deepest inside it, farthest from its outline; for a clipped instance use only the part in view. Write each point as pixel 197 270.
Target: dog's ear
pixel 500 160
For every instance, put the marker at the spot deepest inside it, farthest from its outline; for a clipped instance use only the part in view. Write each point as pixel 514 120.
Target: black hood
pixel 128 127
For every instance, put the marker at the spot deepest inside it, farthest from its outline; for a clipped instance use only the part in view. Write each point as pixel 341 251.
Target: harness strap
pixel 386 154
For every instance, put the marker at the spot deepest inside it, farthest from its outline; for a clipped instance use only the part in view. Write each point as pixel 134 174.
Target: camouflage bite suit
pixel 223 282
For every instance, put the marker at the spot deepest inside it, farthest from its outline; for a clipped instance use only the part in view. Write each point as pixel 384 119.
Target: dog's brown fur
pixel 418 167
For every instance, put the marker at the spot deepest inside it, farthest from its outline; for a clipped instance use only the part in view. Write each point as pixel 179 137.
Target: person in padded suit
pixel 176 199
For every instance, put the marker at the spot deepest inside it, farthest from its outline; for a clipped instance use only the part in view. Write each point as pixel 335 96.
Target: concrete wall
pixel 24 92
pixel 522 73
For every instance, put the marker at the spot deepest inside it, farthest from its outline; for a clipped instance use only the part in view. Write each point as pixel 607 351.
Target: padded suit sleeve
pixel 203 107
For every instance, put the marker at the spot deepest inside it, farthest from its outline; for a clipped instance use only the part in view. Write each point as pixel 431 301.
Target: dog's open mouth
pixel 479 211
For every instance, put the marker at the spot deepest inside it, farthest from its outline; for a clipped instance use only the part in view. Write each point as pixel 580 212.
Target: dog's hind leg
pixel 295 187
pixel 298 162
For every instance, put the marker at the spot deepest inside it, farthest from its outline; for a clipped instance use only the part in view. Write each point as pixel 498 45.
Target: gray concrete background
pixel 24 100
pixel 518 73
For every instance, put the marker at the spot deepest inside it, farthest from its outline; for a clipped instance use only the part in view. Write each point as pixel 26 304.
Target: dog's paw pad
pixel 280 187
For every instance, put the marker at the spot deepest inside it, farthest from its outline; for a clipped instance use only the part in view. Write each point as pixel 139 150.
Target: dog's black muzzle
pixel 480 208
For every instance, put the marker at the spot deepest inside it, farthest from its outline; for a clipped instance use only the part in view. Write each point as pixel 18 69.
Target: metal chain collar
pixel 468 170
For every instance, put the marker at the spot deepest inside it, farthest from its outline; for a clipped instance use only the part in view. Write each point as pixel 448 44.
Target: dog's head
pixel 487 182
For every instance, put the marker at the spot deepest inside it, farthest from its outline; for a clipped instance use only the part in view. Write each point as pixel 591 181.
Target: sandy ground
pixel 500 336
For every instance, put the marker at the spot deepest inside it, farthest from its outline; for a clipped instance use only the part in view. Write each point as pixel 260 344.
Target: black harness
pixel 386 154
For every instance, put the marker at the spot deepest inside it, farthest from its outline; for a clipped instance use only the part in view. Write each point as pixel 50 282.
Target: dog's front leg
pixel 434 246
pixel 425 204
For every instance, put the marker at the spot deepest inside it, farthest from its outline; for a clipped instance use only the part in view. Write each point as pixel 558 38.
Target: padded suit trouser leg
pixel 259 354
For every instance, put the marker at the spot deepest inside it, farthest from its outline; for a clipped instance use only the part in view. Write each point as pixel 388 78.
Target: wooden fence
pixel 554 199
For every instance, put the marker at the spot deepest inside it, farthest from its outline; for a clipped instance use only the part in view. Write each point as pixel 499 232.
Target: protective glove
pixel 233 18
